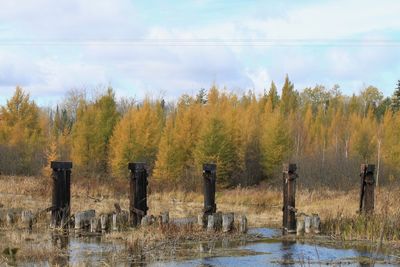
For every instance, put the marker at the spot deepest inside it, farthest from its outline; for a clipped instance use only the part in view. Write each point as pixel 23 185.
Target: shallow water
pixel 269 251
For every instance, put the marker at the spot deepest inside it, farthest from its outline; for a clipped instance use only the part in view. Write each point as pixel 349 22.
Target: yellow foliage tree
pixel 21 135
pixel 136 137
pixel 276 141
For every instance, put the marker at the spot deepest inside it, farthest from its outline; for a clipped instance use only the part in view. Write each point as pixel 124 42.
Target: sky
pixel 167 48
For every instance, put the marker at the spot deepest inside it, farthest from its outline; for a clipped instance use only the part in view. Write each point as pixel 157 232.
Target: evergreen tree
pixel 273 95
pixel 396 98
pixel 288 101
pixel 201 97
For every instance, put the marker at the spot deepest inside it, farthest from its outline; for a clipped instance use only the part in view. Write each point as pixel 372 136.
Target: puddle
pixel 271 251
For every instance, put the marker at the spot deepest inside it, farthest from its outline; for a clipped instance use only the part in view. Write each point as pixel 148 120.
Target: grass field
pixel 262 204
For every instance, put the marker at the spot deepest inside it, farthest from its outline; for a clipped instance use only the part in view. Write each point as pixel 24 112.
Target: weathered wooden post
pixel 209 178
pixel 137 193
pixel 61 199
pixel 289 198
pixel 367 191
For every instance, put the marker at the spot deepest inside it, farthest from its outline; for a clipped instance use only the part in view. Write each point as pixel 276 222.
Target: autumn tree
pixel 136 137
pixel 21 135
pixel 391 137
pixel 91 132
pixel 175 159
pixel 371 98
pixel 215 146
pixel 363 140
pixel 289 98
pixel 276 142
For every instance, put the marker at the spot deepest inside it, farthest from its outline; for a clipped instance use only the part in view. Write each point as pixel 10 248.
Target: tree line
pixel 328 134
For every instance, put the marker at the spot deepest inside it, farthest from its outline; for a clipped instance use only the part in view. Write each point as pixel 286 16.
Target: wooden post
pixel 137 193
pixel 289 198
pixel 209 178
pixel 61 199
pixel 367 191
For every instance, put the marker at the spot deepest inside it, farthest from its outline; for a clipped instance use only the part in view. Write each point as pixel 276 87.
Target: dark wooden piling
pixel 289 198
pixel 209 178
pixel 61 198
pixel 367 191
pixel 137 193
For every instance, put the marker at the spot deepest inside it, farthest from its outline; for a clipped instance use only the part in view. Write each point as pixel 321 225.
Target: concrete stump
pixel 10 218
pixel 114 222
pixel 27 219
pixel 316 222
pixel 227 222
pixel 165 217
pixel 184 222
pixel 202 220
pixel 300 226
pixel 159 221
pixel 104 222
pixel 243 224
pixel 210 223
pixel 95 225
pixel 123 219
pixel 83 219
pixel 214 222
pixel 147 220
pixel 120 220
pixel 307 224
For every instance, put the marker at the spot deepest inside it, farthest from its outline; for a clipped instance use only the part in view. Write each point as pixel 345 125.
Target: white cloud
pixel 330 20
pixel 187 65
pixel 260 79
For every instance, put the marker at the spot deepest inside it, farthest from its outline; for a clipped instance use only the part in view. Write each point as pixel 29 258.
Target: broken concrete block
pixel 165 217
pixel 114 222
pixel 307 224
pixel 27 219
pixel 10 218
pixel 104 222
pixel 214 222
pixel 227 222
pixel 82 219
pixel 202 220
pixel 147 220
pixel 316 222
pixel 95 225
pixel 300 226
pixel 243 224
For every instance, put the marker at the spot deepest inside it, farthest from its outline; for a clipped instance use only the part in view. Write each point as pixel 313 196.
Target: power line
pixel 198 42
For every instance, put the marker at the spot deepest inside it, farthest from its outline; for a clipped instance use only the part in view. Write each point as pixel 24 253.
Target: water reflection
pixel 287 252
pixel 60 241
pixel 94 250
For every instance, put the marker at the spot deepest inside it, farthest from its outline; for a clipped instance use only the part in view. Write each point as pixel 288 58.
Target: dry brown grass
pixel 147 237
pixel 32 248
pixel 262 204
